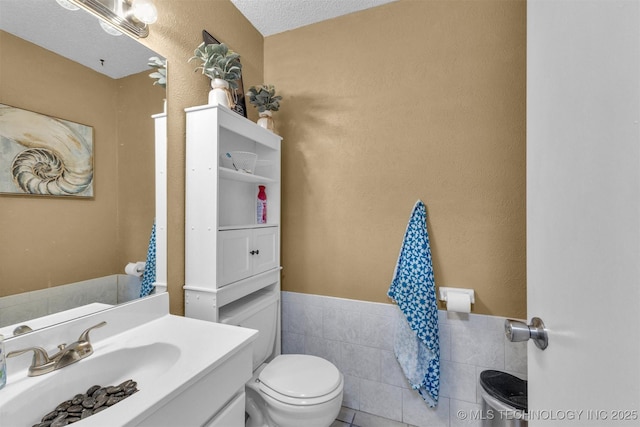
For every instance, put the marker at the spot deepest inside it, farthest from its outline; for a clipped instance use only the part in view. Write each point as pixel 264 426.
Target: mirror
pixel 62 64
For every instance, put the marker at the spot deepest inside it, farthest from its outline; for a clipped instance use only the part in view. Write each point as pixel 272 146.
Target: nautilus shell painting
pixel 43 155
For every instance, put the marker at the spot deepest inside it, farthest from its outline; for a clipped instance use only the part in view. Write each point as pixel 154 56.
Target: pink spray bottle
pixel 262 205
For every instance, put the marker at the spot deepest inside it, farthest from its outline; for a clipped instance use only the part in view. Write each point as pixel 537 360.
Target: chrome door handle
pixel 516 331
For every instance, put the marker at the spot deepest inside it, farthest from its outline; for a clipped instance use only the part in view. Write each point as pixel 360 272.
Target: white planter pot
pixel 266 120
pixel 220 93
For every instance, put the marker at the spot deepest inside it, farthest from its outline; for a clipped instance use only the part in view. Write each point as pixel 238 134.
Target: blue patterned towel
pixel 149 276
pixel 413 288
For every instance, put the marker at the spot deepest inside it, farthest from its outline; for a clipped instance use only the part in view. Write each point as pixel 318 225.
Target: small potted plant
pixel 160 74
pixel 264 98
pixel 222 66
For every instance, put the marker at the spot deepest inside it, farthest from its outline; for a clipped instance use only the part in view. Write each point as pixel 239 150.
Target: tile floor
pixel 352 418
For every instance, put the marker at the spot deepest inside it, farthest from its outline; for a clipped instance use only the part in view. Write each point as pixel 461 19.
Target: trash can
pixel 504 400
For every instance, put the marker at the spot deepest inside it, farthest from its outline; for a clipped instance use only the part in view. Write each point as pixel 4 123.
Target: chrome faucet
pixel 42 363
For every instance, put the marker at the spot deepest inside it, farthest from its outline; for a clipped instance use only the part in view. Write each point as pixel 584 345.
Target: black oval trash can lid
pixel 506 388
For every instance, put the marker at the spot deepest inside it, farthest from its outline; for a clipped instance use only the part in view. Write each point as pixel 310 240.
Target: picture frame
pixel 41 155
pixel 238 95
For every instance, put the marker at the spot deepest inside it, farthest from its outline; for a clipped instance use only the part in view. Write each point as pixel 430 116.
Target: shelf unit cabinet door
pixel 234 260
pixel 265 240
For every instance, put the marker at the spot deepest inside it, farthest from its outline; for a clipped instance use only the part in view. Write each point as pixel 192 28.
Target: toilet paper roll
pixel 134 269
pixel 458 302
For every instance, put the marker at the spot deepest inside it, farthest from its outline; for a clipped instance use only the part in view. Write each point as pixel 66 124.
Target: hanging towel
pixel 149 276
pixel 413 288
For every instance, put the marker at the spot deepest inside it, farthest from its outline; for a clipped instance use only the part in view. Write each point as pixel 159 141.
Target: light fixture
pixel 127 16
pixel 67 4
pixel 109 29
pixel 144 11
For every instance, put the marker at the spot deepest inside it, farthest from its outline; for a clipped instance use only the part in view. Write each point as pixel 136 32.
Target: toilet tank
pixel 259 311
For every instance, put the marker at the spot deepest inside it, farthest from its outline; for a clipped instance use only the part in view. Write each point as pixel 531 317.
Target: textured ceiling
pixel 276 16
pixel 81 39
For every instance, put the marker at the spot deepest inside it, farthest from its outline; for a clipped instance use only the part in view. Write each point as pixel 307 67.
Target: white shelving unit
pixel 160 126
pixel 228 255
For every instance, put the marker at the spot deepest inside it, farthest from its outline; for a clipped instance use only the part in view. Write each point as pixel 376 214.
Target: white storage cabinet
pixel 227 254
pixel 243 253
pixel 160 126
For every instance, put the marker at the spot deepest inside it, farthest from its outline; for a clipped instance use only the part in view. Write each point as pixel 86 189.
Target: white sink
pixel 33 397
pixel 168 356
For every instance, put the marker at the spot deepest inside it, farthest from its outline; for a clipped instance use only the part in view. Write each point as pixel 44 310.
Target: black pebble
pixel 51 415
pixel 100 400
pixel 63 406
pixel 92 390
pixel 89 402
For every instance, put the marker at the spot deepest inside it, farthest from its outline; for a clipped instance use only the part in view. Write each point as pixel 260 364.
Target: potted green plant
pixel 160 74
pixel 222 66
pixel 264 98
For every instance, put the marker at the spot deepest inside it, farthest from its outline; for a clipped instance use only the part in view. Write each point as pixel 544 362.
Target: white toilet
pixel 292 390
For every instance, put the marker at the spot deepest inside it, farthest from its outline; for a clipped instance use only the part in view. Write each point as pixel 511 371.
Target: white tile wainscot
pixel 357 336
pixel 27 306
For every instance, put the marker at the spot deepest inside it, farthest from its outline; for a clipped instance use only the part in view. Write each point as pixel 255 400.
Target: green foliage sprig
pixel 218 62
pixel 160 74
pixel 264 98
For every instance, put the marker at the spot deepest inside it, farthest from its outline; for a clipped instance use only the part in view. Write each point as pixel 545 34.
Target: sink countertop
pixel 189 349
pixel 203 346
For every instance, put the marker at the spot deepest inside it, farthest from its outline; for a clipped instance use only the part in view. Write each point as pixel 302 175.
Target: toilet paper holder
pixel 444 292
pixel 135 268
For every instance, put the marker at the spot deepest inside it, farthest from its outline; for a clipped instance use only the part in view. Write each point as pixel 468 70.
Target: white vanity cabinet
pixel 188 372
pixel 228 255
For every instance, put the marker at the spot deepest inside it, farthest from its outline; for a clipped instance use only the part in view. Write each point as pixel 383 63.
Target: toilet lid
pixel 301 376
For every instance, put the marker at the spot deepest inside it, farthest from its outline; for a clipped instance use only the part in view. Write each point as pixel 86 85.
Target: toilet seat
pixel 301 380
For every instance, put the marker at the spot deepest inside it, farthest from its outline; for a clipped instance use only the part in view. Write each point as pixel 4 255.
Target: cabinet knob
pixel 256 252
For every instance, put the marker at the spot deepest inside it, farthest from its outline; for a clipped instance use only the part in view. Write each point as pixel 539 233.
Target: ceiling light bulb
pixel 144 11
pixel 67 4
pixel 109 29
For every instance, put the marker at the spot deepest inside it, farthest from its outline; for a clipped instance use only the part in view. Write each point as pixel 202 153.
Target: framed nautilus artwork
pixel 43 155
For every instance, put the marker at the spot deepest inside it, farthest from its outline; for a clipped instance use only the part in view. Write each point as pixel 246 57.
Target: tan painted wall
pixel 176 34
pixel 50 241
pixel 418 99
pixel 360 147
